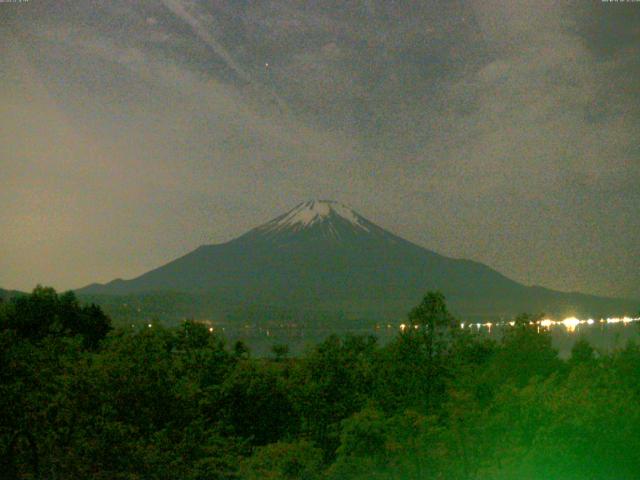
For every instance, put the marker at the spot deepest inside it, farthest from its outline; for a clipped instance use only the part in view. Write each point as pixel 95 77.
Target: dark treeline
pixel 81 400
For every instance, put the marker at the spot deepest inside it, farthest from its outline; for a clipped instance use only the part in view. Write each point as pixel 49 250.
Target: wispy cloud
pixel 207 34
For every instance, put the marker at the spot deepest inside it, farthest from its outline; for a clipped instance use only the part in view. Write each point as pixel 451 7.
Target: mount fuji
pixel 322 255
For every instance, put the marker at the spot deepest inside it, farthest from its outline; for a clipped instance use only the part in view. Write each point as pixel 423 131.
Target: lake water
pixel 603 336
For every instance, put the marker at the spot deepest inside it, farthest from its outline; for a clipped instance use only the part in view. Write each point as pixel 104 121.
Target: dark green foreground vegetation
pixel 78 401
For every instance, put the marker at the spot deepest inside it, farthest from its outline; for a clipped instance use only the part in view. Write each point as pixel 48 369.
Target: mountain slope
pixel 324 255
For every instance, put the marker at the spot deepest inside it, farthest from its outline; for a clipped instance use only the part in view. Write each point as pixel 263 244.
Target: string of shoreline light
pixel 570 323
pixel 545 324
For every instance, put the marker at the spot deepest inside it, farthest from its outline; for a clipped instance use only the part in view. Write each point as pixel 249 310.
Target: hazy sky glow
pixel 132 131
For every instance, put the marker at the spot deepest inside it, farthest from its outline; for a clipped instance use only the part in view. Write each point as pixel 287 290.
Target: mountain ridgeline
pixel 323 256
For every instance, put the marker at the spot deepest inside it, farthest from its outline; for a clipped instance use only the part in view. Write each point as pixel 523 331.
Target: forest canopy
pixel 79 399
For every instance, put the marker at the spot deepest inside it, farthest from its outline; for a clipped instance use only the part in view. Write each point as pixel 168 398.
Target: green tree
pixel 44 313
pixel 431 320
pixel 299 460
pixel 582 352
pixel 254 402
pixel 407 445
pixel 332 382
pixel 415 367
pixel 524 351
pixel 280 352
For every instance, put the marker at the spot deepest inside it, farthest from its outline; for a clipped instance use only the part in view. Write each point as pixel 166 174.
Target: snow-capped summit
pixel 316 213
pixel 312 211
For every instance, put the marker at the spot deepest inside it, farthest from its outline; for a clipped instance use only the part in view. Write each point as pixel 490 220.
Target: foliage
pixel 78 401
pixel 299 460
pixel 45 313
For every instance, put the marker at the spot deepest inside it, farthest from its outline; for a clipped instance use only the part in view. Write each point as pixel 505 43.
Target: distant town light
pixel 570 323
pixel 547 322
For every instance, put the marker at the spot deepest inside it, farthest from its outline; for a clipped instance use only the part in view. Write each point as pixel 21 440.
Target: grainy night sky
pixel 505 132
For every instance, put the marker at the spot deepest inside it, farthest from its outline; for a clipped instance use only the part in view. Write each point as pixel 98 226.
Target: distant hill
pixel 7 294
pixel 324 257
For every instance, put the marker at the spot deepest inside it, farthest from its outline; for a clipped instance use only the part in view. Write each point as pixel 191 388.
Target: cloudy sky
pixel 132 131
